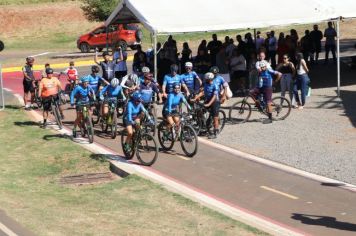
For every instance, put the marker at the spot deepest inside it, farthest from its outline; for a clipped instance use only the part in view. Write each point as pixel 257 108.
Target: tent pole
pixel 155 54
pixel 338 56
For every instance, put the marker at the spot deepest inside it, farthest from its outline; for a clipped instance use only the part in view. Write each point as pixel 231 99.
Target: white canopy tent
pixel 182 16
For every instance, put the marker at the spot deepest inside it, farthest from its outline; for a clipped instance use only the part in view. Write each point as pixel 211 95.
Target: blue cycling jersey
pixel 111 92
pixel 169 81
pixel 220 82
pixel 133 110
pixel 147 91
pixel 81 94
pixel 173 102
pixel 94 82
pixel 190 80
pixel 267 78
pixel 210 90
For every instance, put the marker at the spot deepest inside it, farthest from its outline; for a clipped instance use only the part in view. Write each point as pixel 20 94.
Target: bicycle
pixel 86 125
pixel 38 99
pixel 111 118
pixel 55 110
pixel 202 121
pixel 150 127
pixel 143 144
pixel 240 112
pixel 186 135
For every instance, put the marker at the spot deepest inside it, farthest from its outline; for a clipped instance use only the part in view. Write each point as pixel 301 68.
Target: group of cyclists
pixel 139 91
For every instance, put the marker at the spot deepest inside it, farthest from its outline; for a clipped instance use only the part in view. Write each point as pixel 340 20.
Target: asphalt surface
pixel 307 206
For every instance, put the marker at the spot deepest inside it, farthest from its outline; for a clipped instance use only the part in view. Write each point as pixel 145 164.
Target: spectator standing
pixel 293 45
pixel 139 60
pixel 330 45
pixel 238 71
pixel 163 66
pixel 241 46
pixel 107 66
pixel 259 41
pixel 186 55
pixel 120 57
pixel 202 63
pixel 288 72
pixel 203 46
pixel 222 63
pixel 230 48
pixel 316 36
pixel 282 47
pixel 214 47
pixel 171 49
pixel 28 83
pixel 306 46
pixel 302 81
pixel 226 42
pixel 252 71
pixel 272 49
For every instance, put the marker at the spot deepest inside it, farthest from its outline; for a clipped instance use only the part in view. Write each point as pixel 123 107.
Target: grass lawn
pixel 31 162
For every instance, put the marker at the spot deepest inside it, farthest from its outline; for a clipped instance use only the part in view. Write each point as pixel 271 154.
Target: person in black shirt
pixel 214 47
pixel 316 36
pixel 107 66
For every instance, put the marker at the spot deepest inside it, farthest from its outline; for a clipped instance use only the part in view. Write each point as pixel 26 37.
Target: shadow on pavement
pixel 348 100
pixel 333 184
pixel 12 107
pixel 26 123
pixel 327 221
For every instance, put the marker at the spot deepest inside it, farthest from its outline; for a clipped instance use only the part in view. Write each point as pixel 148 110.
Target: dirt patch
pixel 22 21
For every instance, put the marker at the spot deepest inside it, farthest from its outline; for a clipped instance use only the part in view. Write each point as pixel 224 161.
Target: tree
pixel 98 10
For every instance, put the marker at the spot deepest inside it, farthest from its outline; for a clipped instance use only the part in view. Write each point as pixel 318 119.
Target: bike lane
pixel 301 204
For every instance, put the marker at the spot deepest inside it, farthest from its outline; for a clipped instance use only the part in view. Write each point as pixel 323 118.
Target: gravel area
pixel 320 139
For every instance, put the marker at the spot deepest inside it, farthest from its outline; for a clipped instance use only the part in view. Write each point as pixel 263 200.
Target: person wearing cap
pixel 147 89
pixel 190 79
pixel 81 95
pixel 49 87
pixel 265 87
pixel 211 102
pixel 170 80
pixel 28 83
pixel 134 110
pixel 220 82
pixel 107 66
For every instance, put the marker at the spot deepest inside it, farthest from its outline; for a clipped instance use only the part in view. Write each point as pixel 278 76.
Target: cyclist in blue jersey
pixel 148 88
pixel 172 106
pixel 81 95
pixel 191 79
pixel 132 116
pixel 211 95
pixel 95 80
pixel 170 80
pixel 265 87
pixel 109 94
pixel 221 83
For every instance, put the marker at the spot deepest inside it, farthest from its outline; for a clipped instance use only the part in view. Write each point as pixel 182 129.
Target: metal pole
pixel 2 90
pixel 338 56
pixel 155 54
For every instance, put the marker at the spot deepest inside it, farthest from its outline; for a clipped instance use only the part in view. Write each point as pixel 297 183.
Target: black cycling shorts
pixel 47 102
pixel 165 113
pixel 214 109
pixel 28 86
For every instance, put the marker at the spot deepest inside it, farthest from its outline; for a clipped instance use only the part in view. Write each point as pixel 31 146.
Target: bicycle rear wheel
pixel 57 116
pixel 128 154
pixel 281 108
pixel 147 150
pixel 165 137
pixel 240 112
pixel 222 120
pixel 189 140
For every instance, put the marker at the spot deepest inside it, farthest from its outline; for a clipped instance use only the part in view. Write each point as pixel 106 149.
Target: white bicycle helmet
pixel 188 64
pixel 145 69
pixel 114 82
pixel 209 76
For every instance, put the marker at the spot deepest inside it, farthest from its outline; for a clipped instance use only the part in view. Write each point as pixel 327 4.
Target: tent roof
pixel 168 16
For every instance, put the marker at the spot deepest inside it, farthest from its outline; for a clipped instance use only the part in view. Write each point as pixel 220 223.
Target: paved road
pixel 305 205
pixel 9 227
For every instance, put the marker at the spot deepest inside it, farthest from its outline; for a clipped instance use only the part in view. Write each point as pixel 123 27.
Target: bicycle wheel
pixel 240 112
pixel 113 125
pixel 128 155
pixel 222 120
pixel 189 140
pixel 38 99
pixel 57 116
pixel 147 150
pixel 165 137
pixel 196 123
pixel 280 108
pixel 89 129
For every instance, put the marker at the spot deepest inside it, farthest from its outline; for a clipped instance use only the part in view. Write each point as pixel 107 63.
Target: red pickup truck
pixel 125 35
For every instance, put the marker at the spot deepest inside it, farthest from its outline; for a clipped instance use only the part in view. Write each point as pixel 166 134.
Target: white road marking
pixel 41 54
pixel 279 192
pixel 6 230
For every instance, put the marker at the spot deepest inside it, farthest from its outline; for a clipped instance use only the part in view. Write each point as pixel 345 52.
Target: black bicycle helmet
pixel 214 69
pixel 105 54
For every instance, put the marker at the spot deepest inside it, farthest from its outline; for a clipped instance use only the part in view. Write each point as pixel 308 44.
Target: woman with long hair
pixel 302 81
pixel 288 72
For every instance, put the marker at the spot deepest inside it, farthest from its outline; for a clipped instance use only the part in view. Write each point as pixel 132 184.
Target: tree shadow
pixel 327 221
pixel 12 107
pixel 26 123
pixel 348 101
